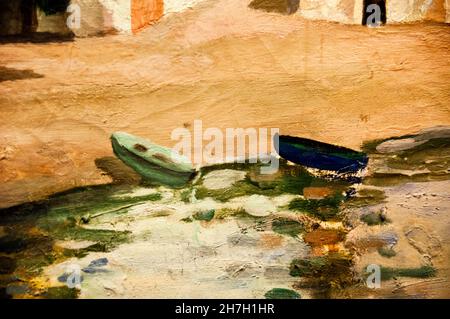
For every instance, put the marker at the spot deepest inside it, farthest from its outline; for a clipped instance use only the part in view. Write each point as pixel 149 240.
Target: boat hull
pixel 149 165
pixel 320 155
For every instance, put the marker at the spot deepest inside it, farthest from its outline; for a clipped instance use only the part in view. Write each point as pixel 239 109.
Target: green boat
pixel 154 163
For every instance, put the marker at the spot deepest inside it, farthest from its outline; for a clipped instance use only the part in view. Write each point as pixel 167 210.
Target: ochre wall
pixel 145 12
pixel 437 11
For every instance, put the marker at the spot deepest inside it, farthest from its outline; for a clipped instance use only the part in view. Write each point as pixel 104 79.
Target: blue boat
pixel 320 155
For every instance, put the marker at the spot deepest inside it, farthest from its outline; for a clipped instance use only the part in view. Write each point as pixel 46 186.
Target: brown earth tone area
pixel 145 12
pixel 222 63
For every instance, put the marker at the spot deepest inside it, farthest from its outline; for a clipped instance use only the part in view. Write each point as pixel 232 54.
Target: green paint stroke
pixel 62 292
pixel 282 293
pixel 207 215
pixel 291 180
pixel 387 252
pixel 420 272
pixel 375 218
pixel 287 227
pixel 366 197
pixel 62 220
pixel 59 218
pixel 230 212
pixel 324 209
pixel 331 271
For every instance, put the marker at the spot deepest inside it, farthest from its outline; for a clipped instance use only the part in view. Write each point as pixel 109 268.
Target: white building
pixel 130 16
pixel 395 11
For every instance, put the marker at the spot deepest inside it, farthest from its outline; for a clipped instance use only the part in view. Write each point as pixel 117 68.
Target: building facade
pixel 396 11
pixel 95 16
pixel 130 16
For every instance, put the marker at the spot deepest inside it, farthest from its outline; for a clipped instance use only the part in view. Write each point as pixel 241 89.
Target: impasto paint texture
pixel 224 149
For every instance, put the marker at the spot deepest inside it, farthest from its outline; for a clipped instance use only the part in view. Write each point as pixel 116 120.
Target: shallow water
pixel 160 242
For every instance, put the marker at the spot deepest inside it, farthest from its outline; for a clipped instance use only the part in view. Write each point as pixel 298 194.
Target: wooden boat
pixel 319 155
pixel 153 162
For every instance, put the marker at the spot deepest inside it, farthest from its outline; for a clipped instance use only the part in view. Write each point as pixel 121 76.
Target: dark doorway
pixel 53 6
pixel 28 8
pixel 29 16
pixel 19 21
pixel 367 12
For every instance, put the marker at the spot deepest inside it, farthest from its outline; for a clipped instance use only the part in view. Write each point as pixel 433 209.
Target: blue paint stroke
pixel 319 155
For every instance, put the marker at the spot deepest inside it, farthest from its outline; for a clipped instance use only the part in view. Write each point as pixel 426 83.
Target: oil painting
pixel 231 149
